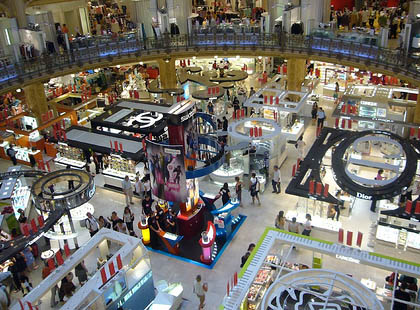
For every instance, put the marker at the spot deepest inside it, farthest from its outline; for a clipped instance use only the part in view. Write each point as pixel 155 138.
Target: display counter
pixel 317 221
pixel 169 297
pixel 399 231
pixel 22 153
pixel 67 155
pixel 130 287
pixel 294 132
pixel 117 168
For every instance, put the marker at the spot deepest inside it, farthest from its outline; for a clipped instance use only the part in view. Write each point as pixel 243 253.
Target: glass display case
pixel 22 153
pixel 399 231
pixel 67 155
pixel 117 167
pixel 232 168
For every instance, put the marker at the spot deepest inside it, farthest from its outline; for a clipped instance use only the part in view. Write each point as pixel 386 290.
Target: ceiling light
pixel 18 90
pixel 141 63
pixel 259 57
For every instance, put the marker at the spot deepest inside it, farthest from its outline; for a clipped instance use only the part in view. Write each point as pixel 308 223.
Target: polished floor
pixel 258 217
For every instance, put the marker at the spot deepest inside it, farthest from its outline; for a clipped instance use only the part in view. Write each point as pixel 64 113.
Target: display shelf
pixel 64 161
pixel 317 221
pixel 293 133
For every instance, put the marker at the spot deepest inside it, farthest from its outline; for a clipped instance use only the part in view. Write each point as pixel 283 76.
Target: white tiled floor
pixel 172 270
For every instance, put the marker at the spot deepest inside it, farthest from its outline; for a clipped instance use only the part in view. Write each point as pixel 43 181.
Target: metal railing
pixel 95 50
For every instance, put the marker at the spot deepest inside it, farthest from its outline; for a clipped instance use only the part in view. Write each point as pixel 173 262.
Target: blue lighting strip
pixel 219 254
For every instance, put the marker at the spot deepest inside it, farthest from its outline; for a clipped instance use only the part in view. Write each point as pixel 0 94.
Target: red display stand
pixel 191 225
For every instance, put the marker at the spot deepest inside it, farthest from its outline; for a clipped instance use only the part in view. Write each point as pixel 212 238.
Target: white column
pixel 180 9
pixel 142 12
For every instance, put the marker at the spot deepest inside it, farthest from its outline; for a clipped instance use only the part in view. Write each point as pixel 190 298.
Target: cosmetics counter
pixel 22 153
pixel 122 155
pixel 401 232
pixel 68 155
pixel 129 285
pixel 273 260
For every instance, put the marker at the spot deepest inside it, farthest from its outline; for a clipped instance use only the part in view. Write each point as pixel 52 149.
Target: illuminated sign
pixel 134 289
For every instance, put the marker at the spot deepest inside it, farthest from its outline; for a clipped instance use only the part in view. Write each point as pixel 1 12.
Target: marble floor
pixel 258 218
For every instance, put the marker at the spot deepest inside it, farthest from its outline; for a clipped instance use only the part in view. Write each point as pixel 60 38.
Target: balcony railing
pixel 98 49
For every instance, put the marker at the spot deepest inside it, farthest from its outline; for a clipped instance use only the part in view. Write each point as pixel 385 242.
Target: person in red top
pixel 64 29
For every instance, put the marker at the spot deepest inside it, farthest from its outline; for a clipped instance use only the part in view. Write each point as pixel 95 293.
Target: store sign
pixel 363 196
pixel 190 114
pixel 134 289
pixel 348 259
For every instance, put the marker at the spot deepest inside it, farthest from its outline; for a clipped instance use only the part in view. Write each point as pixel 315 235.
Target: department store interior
pixel 196 154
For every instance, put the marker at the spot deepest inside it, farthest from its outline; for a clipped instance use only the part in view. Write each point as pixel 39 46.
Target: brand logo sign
pixel 363 196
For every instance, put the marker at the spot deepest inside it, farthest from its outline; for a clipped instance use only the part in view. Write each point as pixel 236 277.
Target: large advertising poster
pixel 167 171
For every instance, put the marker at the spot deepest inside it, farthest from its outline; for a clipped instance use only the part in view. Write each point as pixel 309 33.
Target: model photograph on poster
pixel 167 171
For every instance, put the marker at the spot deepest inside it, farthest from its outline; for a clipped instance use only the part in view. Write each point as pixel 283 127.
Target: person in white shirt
pixel 307 227
pixel 139 187
pixel 276 181
pixel 128 190
pixel 198 289
pixel 300 145
pixel 147 187
pixel 92 167
pixel 91 224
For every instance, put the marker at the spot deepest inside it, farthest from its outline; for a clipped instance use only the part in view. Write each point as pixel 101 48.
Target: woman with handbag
pixel 254 188
pixel 128 218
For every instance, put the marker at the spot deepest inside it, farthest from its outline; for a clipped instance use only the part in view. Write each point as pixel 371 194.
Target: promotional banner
pixel 167 171
pixel 192 193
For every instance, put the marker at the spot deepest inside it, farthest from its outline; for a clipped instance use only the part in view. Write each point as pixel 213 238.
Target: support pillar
pixel 18 8
pixel 417 111
pixel 296 71
pixel 37 101
pixel 167 73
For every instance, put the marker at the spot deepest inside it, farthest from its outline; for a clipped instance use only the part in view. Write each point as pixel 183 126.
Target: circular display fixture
pixel 241 130
pixel 374 150
pixel 63 189
pixel 319 289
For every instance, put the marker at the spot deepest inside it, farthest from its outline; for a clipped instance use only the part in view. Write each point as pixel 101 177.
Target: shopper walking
pixel 128 218
pixel 225 193
pixel 139 187
pixel 276 181
pixel 254 188
pixel 293 226
pixel 81 272
pixel 238 190
pixel 321 117
pixel 280 221
pixel 247 254
pixel 114 219
pixel 300 146
pixel 128 190
pixel 91 224
pixel 200 290
pixel 307 227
